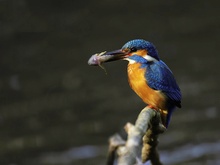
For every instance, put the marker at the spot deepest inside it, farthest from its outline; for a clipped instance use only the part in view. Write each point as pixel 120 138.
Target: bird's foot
pixel 154 108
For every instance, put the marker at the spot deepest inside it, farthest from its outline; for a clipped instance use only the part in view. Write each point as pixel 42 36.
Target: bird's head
pixel 138 47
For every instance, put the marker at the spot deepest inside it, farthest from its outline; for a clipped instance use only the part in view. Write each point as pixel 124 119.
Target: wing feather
pixel 160 77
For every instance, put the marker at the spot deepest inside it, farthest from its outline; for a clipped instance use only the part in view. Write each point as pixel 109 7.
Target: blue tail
pixel 166 116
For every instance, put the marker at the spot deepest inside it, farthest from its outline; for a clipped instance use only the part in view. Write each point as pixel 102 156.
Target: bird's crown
pixel 140 44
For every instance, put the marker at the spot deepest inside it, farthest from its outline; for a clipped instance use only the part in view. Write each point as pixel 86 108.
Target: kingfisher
pixel 149 77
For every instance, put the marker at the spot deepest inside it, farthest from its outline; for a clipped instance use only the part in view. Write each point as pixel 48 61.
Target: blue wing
pixel 160 77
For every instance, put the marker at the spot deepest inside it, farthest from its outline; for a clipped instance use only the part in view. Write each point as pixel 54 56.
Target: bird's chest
pixel 136 77
pixel 138 82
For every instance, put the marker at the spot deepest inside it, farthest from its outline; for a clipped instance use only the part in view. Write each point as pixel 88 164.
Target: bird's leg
pixel 163 115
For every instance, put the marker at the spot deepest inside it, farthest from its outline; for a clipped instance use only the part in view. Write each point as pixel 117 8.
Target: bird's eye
pixel 133 50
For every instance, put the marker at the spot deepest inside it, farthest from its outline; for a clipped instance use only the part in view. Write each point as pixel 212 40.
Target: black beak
pixel 103 57
pixel 115 55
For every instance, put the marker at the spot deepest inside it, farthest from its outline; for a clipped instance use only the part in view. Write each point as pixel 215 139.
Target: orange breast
pixel 138 83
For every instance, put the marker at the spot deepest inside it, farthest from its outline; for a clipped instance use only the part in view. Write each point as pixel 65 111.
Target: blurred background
pixel 55 109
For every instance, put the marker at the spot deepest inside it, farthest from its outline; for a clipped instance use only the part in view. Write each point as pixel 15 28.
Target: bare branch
pixel 142 141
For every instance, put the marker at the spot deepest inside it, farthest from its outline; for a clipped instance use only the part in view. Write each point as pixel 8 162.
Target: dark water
pixel 55 109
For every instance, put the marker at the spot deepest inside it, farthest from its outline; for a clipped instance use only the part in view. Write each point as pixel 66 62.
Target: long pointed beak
pixel 103 57
pixel 115 55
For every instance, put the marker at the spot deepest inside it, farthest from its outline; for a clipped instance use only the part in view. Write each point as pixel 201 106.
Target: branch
pixel 141 144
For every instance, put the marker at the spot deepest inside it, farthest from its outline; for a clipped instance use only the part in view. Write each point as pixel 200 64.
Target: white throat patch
pixel 130 61
pixel 149 58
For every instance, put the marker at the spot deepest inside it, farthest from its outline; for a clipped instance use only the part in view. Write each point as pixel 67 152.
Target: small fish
pixel 98 59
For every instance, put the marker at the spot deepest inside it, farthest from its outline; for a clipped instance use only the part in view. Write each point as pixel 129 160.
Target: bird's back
pixel 159 77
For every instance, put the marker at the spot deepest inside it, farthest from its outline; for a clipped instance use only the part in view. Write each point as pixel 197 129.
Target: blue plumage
pixel 160 77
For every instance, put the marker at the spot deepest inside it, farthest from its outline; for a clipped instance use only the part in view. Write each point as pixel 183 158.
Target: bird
pixel 149 77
